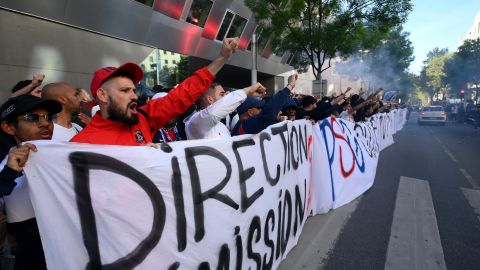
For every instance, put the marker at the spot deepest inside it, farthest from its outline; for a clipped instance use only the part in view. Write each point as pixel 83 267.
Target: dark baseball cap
pixel 25 103
pixel 102 74
pixel 250 102
pixel 291 103
pixel 308 100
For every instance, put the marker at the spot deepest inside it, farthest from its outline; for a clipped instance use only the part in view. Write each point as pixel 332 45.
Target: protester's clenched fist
pixel 256 90
pixel 84 118
pixel 292 80
pixel 38 79
pixel 18 156
pixel 230 45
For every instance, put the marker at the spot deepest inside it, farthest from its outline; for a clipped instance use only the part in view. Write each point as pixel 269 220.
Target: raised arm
pixel 37 81
pixel 229 47
pixel 179 99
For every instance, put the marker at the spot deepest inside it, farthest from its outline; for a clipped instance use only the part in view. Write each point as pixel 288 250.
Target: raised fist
pixel 256 90
pixel 229 47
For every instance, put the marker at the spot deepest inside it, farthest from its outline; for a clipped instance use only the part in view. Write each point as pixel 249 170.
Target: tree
pixel 317 31
pixel 463 68
pixel 435 71
pixel 170 76
pixel 435 52
pixel 183 69
pixel 433 75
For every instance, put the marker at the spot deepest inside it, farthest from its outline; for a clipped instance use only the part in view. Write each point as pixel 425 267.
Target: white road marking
pixel 414 239
pixel 469 178
pixel 473 197
pixel 452 157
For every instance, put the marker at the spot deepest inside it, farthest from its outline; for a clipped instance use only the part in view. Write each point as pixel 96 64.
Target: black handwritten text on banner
pixel 230 204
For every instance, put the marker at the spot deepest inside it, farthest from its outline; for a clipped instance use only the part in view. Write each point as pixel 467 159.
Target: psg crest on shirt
pixel 139 136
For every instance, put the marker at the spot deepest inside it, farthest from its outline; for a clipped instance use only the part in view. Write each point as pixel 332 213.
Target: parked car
pixel 432 114
pixel 472 116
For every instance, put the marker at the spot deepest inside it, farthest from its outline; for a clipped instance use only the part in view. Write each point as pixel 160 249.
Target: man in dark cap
pixel 307 104
pixel 25 118
pixel 290 109
pixel 256 115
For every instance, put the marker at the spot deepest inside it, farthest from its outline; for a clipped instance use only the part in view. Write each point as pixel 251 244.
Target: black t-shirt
pixel 301 113
pixel 360 114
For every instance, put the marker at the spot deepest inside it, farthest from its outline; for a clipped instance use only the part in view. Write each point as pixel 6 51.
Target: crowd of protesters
pixel 197 108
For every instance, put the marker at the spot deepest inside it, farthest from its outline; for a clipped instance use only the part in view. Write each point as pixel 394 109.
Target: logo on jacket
pixel 139 136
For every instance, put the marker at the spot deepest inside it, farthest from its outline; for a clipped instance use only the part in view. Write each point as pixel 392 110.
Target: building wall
pixel 473 31
pixel 30 45
pixel 161 26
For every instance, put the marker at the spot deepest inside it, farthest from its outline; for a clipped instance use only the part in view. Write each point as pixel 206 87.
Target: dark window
pixel 151 58
pixel 164 52
pixel 166 62
pixel 278 51
pixel 146 2
pixel 432 109
pixel 261 43
pixel 232 26
pixel 199 11
pixel 290 58
pixel 237 26
pixel 227 20
pixel 174 62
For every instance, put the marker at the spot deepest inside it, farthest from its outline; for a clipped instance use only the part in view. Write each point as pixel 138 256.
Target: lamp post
pixel 254 58
pixel 158 66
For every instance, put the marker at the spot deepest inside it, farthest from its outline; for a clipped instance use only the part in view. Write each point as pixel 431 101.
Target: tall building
pixel 68 40
pixel 473 31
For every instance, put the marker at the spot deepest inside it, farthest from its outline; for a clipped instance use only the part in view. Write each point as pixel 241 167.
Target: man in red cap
pixel 119 122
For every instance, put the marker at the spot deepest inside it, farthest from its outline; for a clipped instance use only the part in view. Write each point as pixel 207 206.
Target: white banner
pixel 205 204
pixel 345 157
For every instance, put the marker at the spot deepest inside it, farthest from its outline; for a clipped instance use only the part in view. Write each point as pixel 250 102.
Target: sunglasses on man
pixel 35 118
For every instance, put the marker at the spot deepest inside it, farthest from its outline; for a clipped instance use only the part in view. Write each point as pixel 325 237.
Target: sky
pixel 438 23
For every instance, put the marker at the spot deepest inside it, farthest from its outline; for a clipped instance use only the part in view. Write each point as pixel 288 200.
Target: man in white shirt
pixel 214 106
pixel 70 98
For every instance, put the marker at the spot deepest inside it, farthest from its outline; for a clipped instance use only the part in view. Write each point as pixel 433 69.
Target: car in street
pixel 433 115
pixel 472 116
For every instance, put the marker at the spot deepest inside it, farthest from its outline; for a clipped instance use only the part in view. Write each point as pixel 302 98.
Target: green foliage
pixel 319 30
pixel 433 74
pixel 463 68
pixel 182 69
pixel 435 71
pixel 170 76
pixel 418 97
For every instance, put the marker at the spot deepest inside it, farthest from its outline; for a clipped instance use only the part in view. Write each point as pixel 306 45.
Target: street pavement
pixel 423 211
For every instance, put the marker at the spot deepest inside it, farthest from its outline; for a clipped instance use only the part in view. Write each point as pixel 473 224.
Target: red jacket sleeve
pixel 179 99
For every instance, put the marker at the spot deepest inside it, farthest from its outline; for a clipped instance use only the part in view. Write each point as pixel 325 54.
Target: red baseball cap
pixel 101 75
